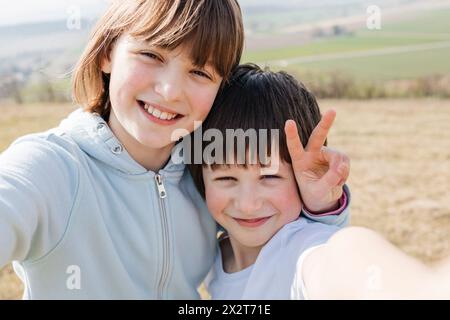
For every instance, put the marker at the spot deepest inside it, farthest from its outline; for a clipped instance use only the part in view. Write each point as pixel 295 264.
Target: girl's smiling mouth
pixel 157 114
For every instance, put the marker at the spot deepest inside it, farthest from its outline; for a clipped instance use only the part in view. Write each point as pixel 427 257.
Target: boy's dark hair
pixel 259 99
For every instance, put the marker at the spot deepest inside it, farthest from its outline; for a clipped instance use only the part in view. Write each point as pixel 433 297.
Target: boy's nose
pixel 248 202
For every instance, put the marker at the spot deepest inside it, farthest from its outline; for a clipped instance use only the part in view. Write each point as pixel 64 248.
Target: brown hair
pixel 212 28
pixel 258 99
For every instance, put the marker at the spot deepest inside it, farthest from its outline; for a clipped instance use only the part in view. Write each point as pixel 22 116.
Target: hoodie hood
pixel 93 135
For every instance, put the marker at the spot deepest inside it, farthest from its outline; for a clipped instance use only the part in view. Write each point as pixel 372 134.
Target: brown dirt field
pixel 400 171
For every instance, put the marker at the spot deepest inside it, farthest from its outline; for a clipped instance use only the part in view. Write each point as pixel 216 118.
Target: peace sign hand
pixel 320 171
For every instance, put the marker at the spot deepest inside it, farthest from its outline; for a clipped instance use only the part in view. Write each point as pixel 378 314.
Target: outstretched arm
pixel 358 263
pixel 36 195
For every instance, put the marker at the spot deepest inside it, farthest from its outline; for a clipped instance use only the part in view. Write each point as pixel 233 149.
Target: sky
pixel 24 11
pixel 14 12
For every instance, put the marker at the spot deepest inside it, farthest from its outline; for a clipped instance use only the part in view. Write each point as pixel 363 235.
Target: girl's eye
pixel 151 55
pixel 201 74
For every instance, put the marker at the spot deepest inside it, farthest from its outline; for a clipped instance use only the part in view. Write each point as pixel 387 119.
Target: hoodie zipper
pixel 165 232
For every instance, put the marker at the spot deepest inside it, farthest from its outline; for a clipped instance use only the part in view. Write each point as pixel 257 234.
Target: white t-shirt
pixel 276 274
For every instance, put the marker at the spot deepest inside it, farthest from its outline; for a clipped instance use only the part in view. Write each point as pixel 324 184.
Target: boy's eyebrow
pixel 218 167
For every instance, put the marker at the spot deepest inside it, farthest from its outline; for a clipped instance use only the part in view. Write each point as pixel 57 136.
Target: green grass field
pixel 428 22
pixel 358 42
pixel 386 67
pixel 412 37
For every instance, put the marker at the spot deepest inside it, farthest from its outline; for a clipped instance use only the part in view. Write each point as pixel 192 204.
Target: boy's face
pixel 154 91
pixel 252 206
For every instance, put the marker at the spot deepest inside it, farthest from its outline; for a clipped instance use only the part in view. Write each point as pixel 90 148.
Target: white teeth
pixel 159 114
pixel 164 116
pixel 156 113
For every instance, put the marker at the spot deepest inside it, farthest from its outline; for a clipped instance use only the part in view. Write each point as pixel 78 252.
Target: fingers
pixel 320 132
pixel 339 168
pixel 293 141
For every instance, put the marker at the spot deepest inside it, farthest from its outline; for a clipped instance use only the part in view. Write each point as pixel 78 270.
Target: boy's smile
pixel 252 223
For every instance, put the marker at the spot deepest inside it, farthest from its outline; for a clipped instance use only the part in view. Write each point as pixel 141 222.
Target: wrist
pixel 332 206
pixel 342 204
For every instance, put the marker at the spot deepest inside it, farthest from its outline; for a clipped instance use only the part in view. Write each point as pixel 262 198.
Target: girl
pixel 268 251
pixel 95 208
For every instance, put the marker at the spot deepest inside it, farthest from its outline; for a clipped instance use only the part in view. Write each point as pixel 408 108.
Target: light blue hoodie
pixel 82 220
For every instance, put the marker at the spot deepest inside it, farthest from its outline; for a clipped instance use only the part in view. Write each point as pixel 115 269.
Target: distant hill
pixel 275 30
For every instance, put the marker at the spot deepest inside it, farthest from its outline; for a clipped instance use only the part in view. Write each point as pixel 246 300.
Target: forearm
pixel 358 263
pixel 441 272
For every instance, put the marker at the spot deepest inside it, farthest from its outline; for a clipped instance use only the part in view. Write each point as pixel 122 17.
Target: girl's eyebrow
pixel 208 64
pixel 148 45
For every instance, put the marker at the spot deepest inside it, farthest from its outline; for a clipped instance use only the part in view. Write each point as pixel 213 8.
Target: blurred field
pixel 357 42
pixel 422 43
pixel 400 173
pixel 402 65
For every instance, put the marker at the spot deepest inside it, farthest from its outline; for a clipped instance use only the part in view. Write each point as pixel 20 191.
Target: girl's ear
pixel 107 58
pixel 106 64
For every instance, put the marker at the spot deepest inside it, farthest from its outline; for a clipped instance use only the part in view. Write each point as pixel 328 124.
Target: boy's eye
pixel 270 176
pixel 201 74
pixel 225 179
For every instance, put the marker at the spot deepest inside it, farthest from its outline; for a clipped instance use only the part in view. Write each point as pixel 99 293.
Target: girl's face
pixel 252 206
pixel 155 91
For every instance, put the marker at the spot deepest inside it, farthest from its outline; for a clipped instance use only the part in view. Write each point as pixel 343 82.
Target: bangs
pixel 211 29
pixel 243 150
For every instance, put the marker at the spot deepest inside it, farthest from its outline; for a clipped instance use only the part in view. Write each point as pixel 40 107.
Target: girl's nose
pixel 169 86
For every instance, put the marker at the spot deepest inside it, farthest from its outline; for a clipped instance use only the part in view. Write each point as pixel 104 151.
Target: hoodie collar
pixel 94 137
